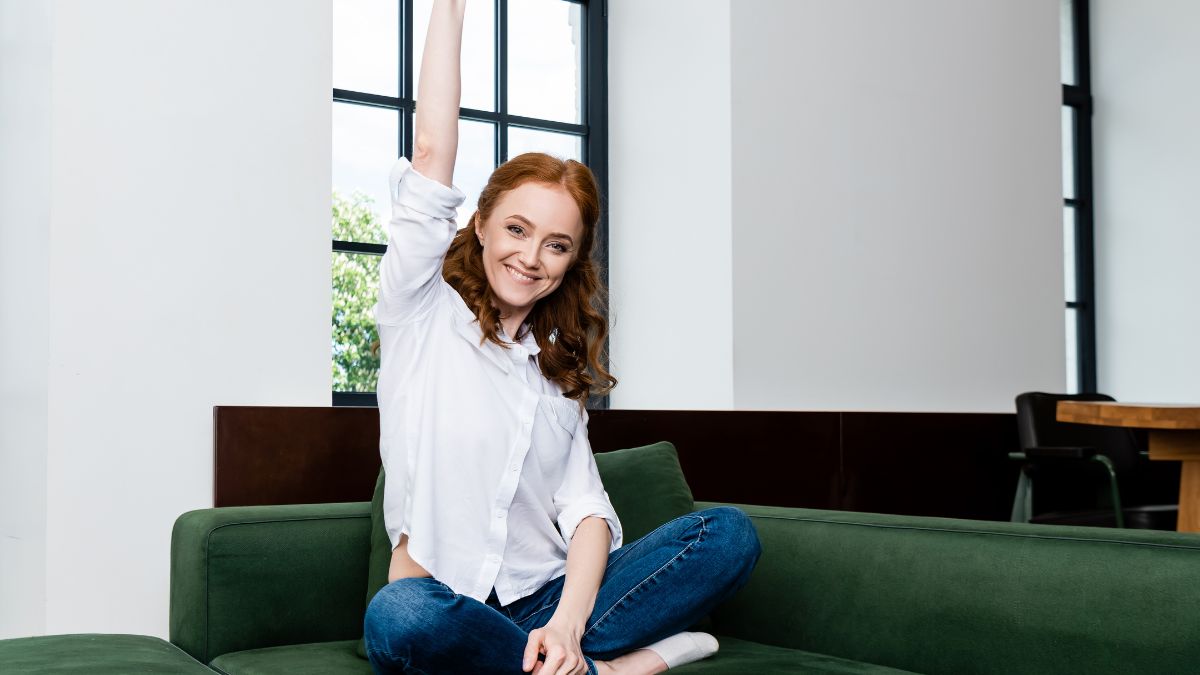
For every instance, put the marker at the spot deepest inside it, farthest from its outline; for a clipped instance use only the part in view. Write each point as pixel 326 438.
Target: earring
pixel 553 335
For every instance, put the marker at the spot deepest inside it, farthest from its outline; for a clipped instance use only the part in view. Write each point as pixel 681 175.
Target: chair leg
pixel 1118 512
pixel 1022 509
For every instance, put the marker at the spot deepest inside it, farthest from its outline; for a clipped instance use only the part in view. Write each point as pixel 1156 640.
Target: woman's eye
pixel 516 229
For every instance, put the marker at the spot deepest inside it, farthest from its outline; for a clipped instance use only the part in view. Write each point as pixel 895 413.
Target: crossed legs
pixel 654 587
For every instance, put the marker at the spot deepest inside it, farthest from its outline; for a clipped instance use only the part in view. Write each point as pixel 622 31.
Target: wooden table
pixel 1174 435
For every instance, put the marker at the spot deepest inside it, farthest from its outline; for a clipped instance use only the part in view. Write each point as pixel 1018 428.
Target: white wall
pixel 188 266
pixel 670 219
pixel 897 208
pixel 893 171
pixel 25 30
pixel 1146 171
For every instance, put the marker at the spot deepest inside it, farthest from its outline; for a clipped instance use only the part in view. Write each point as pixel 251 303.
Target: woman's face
pixel 530 241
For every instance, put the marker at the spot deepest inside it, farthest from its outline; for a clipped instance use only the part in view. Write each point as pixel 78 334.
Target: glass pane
pixel 365 145
pixel 474 163
pixel 544 50
pixel 1072 353
pixel 355 289
pixel 366 46
pixel 564 146
pixel 1068 145
pixel 1067 33
pixel 478 61
pixel 1069 252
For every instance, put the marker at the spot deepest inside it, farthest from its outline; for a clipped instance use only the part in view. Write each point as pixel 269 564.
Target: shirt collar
pixel 528 341
pixel 465 322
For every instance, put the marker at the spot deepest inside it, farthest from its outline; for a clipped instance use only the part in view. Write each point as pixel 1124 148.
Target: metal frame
pixel 1079 98
pixel 593 130
pixel 1022 510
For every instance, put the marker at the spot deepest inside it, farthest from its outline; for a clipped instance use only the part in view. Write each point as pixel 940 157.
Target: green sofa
pixel 283 589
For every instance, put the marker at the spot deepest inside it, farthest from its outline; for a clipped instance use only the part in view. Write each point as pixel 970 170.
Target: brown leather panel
pixel 294 455
pixel 939 464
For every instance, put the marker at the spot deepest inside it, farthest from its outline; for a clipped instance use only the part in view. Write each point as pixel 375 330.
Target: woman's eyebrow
pixel 525 220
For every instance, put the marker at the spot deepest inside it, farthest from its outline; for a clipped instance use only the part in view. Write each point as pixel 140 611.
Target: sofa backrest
pixel 939 595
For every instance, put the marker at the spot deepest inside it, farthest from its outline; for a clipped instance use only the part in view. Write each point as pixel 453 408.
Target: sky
pixel 543 82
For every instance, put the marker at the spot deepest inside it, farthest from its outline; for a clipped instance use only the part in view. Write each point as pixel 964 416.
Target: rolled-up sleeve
pixel 582 494
pixel 420 230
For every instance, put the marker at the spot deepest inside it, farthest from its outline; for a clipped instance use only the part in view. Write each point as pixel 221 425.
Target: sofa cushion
pixel 96 654
pixel 735 657
pixel 645 484
pixel 314 658
pixel 381 553
pixel 742 657
pixel 944 595
pixel 646 487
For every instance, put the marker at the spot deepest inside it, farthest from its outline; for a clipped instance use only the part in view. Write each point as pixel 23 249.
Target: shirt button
pixel 500 515
pixel 514 467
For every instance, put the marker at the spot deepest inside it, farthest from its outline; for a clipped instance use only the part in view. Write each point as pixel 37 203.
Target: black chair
pixel 1077 452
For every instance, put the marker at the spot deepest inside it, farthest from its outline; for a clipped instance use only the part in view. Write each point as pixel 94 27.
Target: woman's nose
pixel 529 257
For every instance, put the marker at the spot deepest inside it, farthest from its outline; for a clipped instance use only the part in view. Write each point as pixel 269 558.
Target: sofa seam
pixel 208 564
pixel 1017 535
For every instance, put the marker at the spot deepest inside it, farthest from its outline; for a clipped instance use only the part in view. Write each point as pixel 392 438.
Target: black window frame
pixel 593 128
pixel 1078 97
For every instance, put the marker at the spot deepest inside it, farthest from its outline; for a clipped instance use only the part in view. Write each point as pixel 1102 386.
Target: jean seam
pixel 699 538
pixel 408 667
pixel 537 611
pixel 382 652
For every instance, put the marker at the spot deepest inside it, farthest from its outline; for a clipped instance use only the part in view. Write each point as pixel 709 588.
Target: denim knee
pixel 738 536
pixel 401 614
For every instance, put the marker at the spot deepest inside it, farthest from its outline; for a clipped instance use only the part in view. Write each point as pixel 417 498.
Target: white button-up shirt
pixel 484 456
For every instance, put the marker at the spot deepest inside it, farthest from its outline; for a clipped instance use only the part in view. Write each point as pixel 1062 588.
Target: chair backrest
pixel 1038 426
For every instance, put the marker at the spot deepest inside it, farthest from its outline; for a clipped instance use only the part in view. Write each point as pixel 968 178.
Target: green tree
pixel 355 289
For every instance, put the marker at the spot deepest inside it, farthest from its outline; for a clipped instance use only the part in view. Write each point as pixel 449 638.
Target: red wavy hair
pixel 575 307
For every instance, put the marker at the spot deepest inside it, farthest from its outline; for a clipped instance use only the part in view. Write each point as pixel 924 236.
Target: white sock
pixel 684 647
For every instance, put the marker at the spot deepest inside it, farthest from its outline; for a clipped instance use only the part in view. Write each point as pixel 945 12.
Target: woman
pixel 506 548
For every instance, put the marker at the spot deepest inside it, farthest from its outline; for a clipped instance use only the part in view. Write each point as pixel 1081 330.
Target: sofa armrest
pixel 245 577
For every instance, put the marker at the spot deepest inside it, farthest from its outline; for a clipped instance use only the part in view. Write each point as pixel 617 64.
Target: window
pixel 534 78
pixel 1078 217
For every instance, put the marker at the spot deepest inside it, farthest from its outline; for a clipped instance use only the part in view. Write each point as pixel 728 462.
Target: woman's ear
pixel 478 229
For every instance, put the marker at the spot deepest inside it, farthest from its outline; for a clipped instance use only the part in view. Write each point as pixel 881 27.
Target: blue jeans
pixel 657 586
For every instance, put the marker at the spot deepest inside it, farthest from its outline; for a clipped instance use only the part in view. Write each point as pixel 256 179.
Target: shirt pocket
pixel 563 411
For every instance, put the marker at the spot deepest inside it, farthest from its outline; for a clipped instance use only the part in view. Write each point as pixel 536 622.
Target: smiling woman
pixel 491 343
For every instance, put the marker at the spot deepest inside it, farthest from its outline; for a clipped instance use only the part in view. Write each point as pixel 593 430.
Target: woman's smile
pixel 520 278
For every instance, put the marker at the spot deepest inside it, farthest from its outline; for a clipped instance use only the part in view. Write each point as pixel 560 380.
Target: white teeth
pixel 517 275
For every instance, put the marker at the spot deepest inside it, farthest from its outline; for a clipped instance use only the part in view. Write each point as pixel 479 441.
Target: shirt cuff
pixel 569 519
pixel 421 193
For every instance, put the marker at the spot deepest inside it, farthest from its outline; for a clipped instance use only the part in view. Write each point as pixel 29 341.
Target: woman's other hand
pixel 560 643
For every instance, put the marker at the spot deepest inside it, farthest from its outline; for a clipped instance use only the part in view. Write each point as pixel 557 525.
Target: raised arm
pixel 439 92
pixel 424 199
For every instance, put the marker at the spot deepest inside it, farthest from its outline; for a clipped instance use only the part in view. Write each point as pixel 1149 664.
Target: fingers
pixel 559 660
pixel 554 660
pixel 532 648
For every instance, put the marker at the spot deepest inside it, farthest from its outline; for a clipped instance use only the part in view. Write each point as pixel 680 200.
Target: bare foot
pixel 637 662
